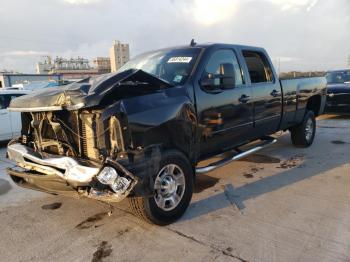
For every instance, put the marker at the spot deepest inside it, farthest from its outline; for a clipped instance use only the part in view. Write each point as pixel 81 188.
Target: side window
pixel 258 66
pixel 224 57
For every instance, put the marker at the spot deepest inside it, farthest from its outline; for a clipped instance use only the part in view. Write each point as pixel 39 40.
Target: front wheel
pixel 173 189
pixel 303 134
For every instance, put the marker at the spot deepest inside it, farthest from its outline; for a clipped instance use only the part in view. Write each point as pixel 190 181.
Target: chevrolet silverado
pixel 141 132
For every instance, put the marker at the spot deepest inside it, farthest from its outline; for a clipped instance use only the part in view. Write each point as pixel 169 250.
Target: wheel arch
pixel 314 104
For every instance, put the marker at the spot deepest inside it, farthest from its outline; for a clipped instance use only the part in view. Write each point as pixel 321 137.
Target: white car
pixel 10 122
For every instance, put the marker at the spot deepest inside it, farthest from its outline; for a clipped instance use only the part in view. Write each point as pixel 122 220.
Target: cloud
pixel 209 12
pixel 294 4
pixel 286 59
pixel 81 2
pixel 284 27
pixel 24 53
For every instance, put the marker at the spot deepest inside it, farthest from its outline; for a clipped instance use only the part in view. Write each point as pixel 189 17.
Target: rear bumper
pixel 64 175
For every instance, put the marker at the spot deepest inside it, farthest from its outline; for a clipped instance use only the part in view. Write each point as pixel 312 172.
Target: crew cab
pixel 10 122
pixel 141 132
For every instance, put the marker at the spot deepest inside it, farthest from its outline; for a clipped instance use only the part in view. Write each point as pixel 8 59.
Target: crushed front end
pixel 74 153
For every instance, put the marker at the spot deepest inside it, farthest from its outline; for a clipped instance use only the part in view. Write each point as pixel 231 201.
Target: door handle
pixel 275 93
pixel 3 113
pixel 244 99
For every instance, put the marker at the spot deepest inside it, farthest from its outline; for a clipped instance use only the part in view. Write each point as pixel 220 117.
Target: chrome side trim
pixel 223 162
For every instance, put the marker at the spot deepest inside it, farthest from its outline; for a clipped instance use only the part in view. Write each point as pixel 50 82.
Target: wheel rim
pixel 309 129
pixel 169 187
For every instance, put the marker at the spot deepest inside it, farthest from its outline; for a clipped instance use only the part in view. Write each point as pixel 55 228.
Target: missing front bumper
pixel 65 175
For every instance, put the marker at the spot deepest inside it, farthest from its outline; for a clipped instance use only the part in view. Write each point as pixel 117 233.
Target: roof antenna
pixel 193 43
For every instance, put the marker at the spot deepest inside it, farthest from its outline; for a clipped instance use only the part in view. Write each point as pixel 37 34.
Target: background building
pixel 45 66
pixel 119 55
pixel 102 64
pixel 11 79
pixel 73 68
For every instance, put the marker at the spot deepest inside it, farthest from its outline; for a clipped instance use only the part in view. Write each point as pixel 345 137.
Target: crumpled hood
pixel 338 88
pixel 86 93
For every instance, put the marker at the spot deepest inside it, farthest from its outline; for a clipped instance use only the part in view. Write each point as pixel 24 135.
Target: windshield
pixel 173 66
pixel 338 77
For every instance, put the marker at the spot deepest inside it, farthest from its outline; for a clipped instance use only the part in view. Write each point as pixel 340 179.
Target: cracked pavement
pixel 282 204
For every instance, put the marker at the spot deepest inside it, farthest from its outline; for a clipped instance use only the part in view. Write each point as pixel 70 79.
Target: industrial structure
pixel 119 54
pixel 78 68
pixel 102 64
pixel 73 68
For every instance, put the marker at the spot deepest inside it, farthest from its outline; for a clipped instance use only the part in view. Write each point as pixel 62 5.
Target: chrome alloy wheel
pixel 309 129
pixel 169 187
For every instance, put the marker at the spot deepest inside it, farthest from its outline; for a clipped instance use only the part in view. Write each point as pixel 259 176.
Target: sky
pixel 298 34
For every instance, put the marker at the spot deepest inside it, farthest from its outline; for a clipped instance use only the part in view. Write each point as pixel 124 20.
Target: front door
pixel 225 116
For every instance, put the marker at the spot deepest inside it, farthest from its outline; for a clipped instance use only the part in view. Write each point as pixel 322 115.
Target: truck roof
pixel 207 45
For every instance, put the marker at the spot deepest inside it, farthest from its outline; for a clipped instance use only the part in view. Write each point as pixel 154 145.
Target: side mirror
pixel 209 82
pixel 227 76
pixel 224 80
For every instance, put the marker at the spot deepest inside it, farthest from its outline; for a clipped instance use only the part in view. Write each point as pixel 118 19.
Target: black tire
pixel 147 207
pixel 303 134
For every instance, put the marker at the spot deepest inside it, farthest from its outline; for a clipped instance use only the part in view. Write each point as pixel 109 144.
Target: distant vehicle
pixel 141 132
pixel 338 89
pixel 10 122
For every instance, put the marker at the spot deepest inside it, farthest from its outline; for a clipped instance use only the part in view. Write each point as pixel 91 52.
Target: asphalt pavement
pixel 282 204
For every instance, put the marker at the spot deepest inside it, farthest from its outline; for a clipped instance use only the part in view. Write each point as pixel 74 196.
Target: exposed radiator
pixel 88 136
pixel 98 137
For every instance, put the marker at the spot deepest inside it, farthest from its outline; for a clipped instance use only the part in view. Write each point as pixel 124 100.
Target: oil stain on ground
pixel 253 171
pixel 104 250
pixel 5 186
pixel 247 175
pixel 122 232
pixel 292 162
pixel 52 206
pixel 90 221
pixel 261 159
pixel 338 142
pixel 203 182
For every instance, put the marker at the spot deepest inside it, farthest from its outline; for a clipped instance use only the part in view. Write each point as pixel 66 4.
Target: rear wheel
pixel 173 188
pixel 303 134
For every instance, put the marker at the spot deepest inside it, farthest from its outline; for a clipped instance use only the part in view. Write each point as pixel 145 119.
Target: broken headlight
pixel 109 176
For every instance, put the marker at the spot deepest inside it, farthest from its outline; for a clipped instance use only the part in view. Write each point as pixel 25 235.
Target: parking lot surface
pixel 282 204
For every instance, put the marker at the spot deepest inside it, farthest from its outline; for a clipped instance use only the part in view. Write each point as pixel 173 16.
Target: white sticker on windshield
pixel 180 59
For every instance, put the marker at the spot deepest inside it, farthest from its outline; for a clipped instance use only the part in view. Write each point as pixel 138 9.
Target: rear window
pixel 260 70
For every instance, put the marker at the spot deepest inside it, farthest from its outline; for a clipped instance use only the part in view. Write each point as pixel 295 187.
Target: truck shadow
pixel 236 196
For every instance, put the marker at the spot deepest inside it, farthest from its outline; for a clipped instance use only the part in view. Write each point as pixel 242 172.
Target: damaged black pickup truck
pixel 141 132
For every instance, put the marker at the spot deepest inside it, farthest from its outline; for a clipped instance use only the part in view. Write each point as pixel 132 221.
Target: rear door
pixel 5 123
pixel 267 93
pixel 225 116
